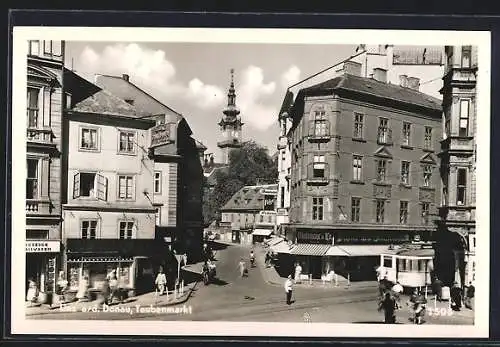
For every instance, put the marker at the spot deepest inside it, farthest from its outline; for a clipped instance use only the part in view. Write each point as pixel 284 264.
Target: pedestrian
pixel 456 297
pixel 397 290
pixel 298 273
pixel 384 286
pixel 113 285
pixel 83 288
pixel 161 281
pixel 32 294
pixel 388 305
pixel 289 289
pixel 242 267
pixel 380 273
pixel 437 288
pixel 267 258
pixel 469 296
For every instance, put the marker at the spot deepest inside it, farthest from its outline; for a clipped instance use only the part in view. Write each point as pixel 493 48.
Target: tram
pixel 411 265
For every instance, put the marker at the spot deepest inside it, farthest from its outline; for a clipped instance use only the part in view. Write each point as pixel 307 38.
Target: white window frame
pixel 97 139
pixel 319 164
pixel 462 186
pixel 32 51
pixel 357 167
pixel 132 189
pixel 37 178
pixel 403 212
pixel 463 117
pixel 318 208
pixel 406 134
pixel 428 138
pixel 127 133
pixel 89 220
pixel 38 109
pixel 159 180
pixel 380 211
pixel 407 172
pixel 427 175
pixel 126 232
pixel 359 123
pixel 100 190
pixel 380 169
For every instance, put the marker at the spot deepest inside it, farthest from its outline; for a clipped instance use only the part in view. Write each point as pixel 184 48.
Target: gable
pixel 428 158
pixel 383 152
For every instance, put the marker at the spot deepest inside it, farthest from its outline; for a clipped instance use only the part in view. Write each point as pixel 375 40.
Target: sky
pixel 193 78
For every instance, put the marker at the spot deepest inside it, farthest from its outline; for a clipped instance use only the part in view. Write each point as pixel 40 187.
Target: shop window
pixel 90 184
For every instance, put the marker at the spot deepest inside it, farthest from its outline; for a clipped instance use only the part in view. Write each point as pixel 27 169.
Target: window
pixel 383 130
pixel 88 139
pixel 405 172
pixel 282 197
pixel 90 184
pixel 406 133
pixel 403 212
pixel 52 48
pixel 283 155
pixel 158 216
pixel 381 170
pixel 461 186
pixel 33 110
pixel 89 229
pixel 425 213
pixel 387 262
pixel 125 187
pixel 358 125
pixel 428 138
pixel 466 56
pixel 427 175
pixel 32 179
pixel 355 209
pixel 37 234
pixel 320 124
pixel 157 182
pixel 34 47
pixel 464 118
pixel 357 167
pixel 319 166
pixel 126 228
pixel 379 211
pixel 317 208
pixel 127 142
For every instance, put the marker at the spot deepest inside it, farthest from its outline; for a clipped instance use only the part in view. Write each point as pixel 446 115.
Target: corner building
pixel 364 172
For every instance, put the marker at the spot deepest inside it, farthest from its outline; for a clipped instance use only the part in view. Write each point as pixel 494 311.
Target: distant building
pixel 364 172
pixel 457 232
pixel 109 216
pixel 251 210
pixel 43 162
pixel 178 177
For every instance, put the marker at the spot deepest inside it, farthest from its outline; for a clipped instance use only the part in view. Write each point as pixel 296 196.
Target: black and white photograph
pixel 193 181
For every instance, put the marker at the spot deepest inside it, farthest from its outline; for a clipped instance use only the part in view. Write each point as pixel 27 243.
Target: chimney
pixel 380 74
pixel 126 77
pixel 352 68
pixel 403 81
pixel 414 83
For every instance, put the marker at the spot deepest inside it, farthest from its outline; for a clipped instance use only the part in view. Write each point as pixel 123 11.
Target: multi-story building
pixel 418 67
pixel 364 171
pixel 43 162
pixel 178 176
pixel 109 212
pixel 251 213
pixel 457 235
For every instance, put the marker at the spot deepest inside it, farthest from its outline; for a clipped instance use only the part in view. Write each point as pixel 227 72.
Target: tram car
pixel 411 265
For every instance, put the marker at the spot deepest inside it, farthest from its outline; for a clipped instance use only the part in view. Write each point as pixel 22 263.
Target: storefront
pixel 42 263
pixel 260 235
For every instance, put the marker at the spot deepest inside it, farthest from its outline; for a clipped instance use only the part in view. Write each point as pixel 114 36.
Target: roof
pixel 103 102
pixel 374 88
pixel 248 198
pixel 200 145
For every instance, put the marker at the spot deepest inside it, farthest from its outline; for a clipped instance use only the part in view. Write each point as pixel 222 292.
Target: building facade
pixel 178 177
pixel 457 235
pixel 251 211
pixel 109 213
pixel 364 172
pixel 43 162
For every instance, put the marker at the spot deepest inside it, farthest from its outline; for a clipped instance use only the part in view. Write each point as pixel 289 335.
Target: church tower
pixel 230 125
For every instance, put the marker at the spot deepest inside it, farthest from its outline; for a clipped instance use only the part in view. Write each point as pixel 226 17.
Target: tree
pixel 248 165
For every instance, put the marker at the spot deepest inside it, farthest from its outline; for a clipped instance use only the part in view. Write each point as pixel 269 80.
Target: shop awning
pixel 336 251
pixel 281 247
pixel 274 241
pixel 365 250
pixel 310 249
pixel 262 232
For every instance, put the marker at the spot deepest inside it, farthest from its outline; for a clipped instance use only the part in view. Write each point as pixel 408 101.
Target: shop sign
pixel 267 213
pixel 160 134
pixel 313 237
pixel 40 246
pixel 269 203
pixel 372 239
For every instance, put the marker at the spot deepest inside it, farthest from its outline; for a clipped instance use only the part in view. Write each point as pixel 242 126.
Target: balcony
pixel 384 136
pixel 382 190
pixel 461 75
pixel 458 213
pixel 37 207
pixel 282 142
pixel 459 144
pixel 318 173
pixel 319 131
pixel 40 135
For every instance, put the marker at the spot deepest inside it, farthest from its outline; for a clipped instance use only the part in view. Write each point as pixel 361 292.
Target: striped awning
pixel 262 232
pixel 336 251
pixel 364 250
pixel 281 247
pixel 99 260
pixel 310 249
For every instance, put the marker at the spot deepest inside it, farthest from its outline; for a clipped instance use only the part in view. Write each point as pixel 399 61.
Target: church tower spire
pixel 230 124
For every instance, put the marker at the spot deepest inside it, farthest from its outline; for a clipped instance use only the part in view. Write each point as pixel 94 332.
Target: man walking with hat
pixel 288 289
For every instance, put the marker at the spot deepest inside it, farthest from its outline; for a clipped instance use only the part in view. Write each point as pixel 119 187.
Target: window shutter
pixel 102 187
pixel 76 185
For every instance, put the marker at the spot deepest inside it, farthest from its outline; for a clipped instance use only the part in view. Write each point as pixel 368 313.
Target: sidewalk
pixel 272 277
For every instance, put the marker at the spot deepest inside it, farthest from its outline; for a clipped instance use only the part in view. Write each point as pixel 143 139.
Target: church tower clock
pixel 230 125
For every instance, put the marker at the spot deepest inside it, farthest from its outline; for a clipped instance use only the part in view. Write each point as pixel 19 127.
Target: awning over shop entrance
pixel 281 247
pixel 310 249
pixel 262 232
pixel 336 251
pixel 274 241
pixel 364 250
